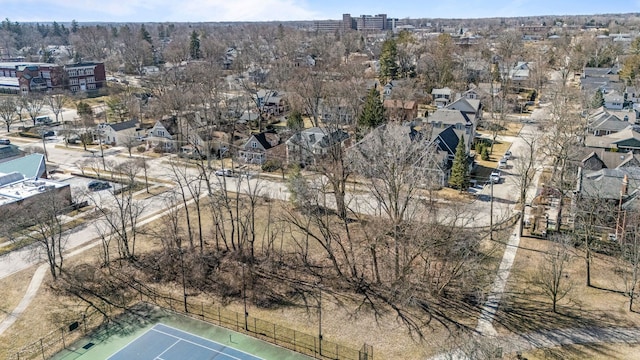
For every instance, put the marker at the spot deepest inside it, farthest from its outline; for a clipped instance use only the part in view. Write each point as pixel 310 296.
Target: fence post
pixel 237 326
pixel 42 349
pixel 202 309
pixel 219 320
pixel 274 335
pixel 64 345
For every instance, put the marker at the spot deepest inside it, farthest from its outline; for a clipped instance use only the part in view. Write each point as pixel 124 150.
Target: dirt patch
pixel 594 352
pixel 13 289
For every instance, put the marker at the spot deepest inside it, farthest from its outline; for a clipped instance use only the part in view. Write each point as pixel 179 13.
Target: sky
pixel 285 10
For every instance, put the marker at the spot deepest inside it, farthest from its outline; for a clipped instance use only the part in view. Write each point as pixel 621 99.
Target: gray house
pixel 304 147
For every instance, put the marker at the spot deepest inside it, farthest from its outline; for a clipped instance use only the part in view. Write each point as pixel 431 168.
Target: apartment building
pixel 25 77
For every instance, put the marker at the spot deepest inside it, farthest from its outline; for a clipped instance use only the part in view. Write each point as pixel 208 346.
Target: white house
pixel 119 133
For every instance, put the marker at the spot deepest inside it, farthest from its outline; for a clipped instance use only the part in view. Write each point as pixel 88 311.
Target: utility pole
pixel 491 212
pixel 244 298
pixel 320 318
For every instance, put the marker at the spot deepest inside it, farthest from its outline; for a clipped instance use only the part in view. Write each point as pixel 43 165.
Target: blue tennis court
pixel 163 342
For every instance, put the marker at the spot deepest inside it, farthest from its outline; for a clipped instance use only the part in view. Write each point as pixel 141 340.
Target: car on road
pixel 97 185
pixel 495 177
pixel 49 133
pixel 225 172
pixel 5 141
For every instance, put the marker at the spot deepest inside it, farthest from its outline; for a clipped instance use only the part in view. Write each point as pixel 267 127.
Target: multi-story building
pixel 25 77
pixel 85 76
pixel 362 23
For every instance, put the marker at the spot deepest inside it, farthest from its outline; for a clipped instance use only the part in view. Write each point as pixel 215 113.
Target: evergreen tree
pixel 388 58
pixel 598 99
pixel 74 26
pixel 460 170
pixel 144 34
pixel 194 45
pixel 372 114
pixel 295 121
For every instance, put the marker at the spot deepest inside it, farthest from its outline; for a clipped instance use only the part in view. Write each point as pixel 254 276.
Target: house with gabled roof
pixel 613 100
pixel 400 110
pixel 463 123
pixel 602 121
pixel 119 133
pixel 442 96
pixel 305 146
pixel 164 133
pixel 258 147
pixel 622 141
pixel 471 107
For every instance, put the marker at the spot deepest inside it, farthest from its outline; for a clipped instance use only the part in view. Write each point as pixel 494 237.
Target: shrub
pixel 141 149
pixel 271 165
pixel 484 155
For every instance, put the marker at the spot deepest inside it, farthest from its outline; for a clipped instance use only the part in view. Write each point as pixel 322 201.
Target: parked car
pixel 495 177
pixel 49 133
pixel 5 141
pixel 507 155
pixel 225 172
pixel 43 120
pixel 502 163
pixel 97 185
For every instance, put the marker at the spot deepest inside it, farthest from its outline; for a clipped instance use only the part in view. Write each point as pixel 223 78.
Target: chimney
pixel 625 185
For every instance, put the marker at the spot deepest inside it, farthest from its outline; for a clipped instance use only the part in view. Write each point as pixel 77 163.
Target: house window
pixel 91 79
pixel 89 71
pixel 91 86
pixel 254 144
pixel 73 73
pixel 160 133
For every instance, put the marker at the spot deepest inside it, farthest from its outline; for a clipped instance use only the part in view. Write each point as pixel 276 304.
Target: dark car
pixel 96 185
pixel 5 141
pixel 49 133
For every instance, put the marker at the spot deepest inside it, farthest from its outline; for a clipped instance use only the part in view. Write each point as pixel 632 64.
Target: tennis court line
pixel 203 338
pixel 167 349
pixel 129 343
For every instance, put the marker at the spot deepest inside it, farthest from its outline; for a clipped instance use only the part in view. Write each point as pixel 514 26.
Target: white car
pixel 224 172
pixel 495 177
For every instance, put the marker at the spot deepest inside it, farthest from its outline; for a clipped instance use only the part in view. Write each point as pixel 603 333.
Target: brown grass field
pixel 523 308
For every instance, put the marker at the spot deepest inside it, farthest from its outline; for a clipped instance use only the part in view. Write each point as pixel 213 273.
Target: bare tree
pixel 34 105
pixel 41 223
pixel 120 210
pixel 8 111
pixel 551 277
pixel 630 257
pixel 56 101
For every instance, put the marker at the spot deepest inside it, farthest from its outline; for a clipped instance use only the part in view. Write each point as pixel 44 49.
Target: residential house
pixel 25 77
pixel 271 102
pixel 621 141
pixel 304 147
pixel 520 72
pixel 604 122
pixel 602 79
pixel 464 124
pixel 336 111
pixel 164 134
pixel 613 100
pixel 442 97
pixel 471 107
pixel 258 148
pixel 401 110
pixel 120 133
pixel 631 95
